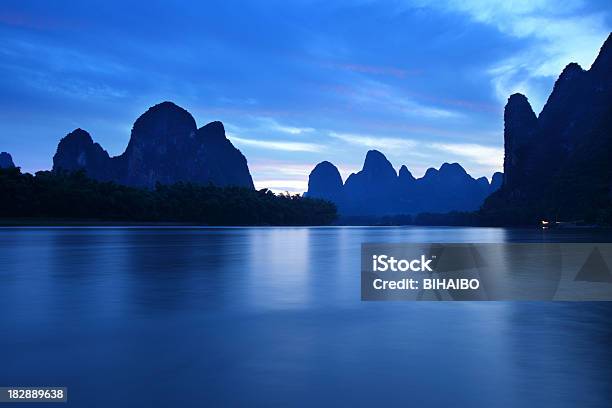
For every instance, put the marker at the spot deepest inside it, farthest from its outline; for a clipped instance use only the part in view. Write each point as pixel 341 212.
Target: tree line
pixel 74 196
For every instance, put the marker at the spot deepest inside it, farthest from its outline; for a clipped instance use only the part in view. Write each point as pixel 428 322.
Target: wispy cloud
pixel 281 169
pixel 272 124
pixel 283 145
pixel 280 176
pixel 373 142
pixel 484 155
pixel 558 33
pixel 269 125
pixel 420 154
pixel 388 98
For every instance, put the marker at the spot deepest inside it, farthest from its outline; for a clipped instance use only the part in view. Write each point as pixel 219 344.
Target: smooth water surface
pixel 272 317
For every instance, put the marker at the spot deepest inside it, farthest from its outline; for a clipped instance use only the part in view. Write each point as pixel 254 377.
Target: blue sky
pixel 295 82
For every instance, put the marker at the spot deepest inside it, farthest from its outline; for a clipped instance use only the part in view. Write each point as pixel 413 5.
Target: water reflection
pixel 272 316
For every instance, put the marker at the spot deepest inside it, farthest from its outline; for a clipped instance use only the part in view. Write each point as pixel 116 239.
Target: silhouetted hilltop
pixel 325 182
pixel 78 151
pixel 165 147
pixel 371 191
pixel 6 161
pixel 377 190
pixel 405 176
pixel 557 165
pixel 162 148
pixel 496 182
pixel 223 163
pixel 450 188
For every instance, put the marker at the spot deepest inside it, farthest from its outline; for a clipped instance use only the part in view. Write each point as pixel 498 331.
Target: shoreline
pixel 53 222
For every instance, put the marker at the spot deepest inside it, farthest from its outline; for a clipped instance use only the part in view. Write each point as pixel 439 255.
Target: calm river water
pixel 272 317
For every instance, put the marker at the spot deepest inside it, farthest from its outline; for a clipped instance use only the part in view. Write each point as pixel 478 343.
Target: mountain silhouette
pixel 371 190
pixel 496 182
pixel 325 182
pixel 379 190
pixel 557 164
pixel 6 161
pixel 165 147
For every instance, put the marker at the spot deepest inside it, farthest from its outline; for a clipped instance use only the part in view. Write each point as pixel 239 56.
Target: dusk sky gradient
pixel 294 82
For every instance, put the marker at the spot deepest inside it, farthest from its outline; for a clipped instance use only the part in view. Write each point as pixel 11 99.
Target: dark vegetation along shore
pixel 74 196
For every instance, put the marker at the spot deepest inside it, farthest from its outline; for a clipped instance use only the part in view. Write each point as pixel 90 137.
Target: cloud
pixel 481 159
pixel 557 33
pixel 420 154
pixel 50 71
pixel 272 124
pixel 281 176
pixel 389 99
pixel 281 169
pixel 288 146
pixel 374 142
pixel 480 154
pixel 267 124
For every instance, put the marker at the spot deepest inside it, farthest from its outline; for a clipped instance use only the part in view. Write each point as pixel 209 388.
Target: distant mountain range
pixel 558 165
pixel 379 190
pixel 166 147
